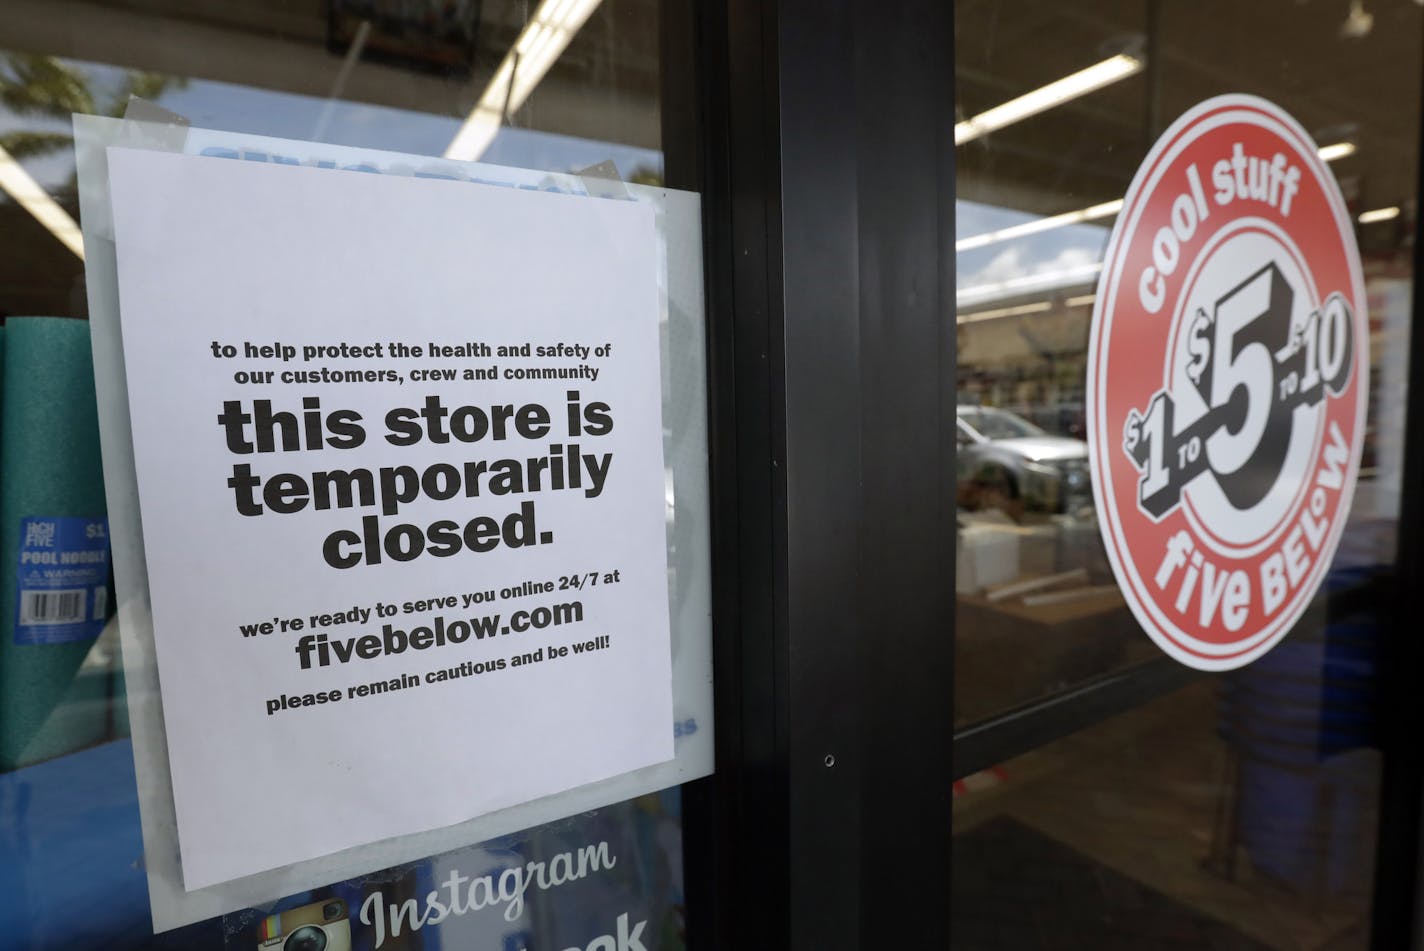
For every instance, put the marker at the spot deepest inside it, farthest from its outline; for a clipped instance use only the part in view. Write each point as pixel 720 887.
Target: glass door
pixel 1108 795
pixel 579 97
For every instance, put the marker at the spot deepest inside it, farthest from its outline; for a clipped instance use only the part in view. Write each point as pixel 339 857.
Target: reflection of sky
pixel 1060 249
pixel 214 105
pixel 235 108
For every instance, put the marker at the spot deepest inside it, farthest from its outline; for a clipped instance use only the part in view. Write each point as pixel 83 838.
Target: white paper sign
pixel 399 456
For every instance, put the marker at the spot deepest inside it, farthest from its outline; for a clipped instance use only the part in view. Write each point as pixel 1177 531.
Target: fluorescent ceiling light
pixel 545 37
pixel 29 195
pixel 1083 301
pixel 1379 214
pixel 1338 150
pixel 1106 209
pixel 1034 308
pixel 1048 280
pixel 1056 93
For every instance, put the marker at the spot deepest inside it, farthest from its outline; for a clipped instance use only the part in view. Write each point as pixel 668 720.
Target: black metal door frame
pixel 826 170
pixel 1398 914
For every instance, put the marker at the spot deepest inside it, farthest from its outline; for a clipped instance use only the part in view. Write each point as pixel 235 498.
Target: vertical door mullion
pixel 829 224
pixel 1400 840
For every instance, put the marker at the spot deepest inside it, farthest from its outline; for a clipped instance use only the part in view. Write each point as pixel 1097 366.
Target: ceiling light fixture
pixel 1045 281
pixel 1034 308
pixel 1379 214
pixel 32 197
pixel 1105 210
pixel 545 37
pixel 1095 77
pixel 1335 151
pixel 1358 22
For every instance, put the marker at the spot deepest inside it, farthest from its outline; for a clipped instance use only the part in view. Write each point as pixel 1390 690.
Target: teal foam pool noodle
pixel 49 466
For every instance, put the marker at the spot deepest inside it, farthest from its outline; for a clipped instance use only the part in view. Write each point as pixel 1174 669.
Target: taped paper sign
pixel 399 455
pixel 1228 370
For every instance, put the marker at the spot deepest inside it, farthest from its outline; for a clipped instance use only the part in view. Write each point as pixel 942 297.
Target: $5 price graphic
pixel 1251 367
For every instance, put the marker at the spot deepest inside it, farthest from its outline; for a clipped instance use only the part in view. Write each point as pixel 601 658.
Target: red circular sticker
pixel 1228 368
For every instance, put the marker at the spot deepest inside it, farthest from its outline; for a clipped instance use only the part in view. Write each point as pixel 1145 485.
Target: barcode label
pixel 61 559
pixel 52 607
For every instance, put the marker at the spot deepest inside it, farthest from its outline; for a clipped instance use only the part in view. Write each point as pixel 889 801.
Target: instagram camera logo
pixel 320 926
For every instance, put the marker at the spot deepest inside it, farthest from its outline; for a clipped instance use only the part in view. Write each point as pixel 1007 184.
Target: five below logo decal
pixel 1227 377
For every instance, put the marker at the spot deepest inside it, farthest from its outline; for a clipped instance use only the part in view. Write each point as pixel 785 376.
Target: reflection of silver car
pixel 1006 462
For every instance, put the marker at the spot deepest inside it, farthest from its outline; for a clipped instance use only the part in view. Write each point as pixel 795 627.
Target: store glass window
pixel 1111 796
pixel 559 91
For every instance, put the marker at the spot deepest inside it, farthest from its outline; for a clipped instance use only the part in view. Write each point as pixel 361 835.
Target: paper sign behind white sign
pixel 529 488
